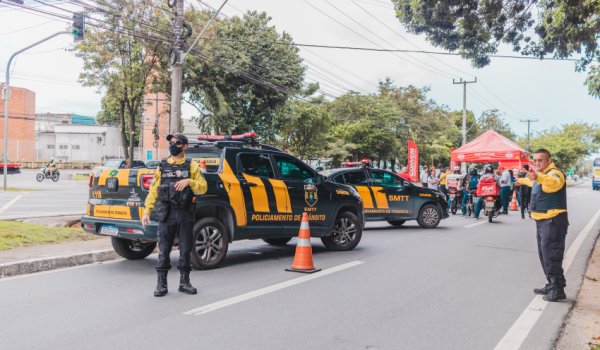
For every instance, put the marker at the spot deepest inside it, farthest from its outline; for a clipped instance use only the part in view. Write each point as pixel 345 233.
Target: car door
pixel 359 179
pixel 391 195
pixel 254 172
pixel 305 193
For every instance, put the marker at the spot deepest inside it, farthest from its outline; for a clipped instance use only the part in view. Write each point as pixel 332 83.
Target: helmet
pixel 51 159
pixel 488 169
pixel 472 171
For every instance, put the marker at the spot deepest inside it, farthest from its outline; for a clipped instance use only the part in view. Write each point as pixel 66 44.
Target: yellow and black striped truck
pixel 388 197
pixel 255 191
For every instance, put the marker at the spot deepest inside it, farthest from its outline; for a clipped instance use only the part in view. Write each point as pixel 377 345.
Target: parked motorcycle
pixel 46 174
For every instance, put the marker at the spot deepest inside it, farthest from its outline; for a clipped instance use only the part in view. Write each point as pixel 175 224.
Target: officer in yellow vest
pixel 549 210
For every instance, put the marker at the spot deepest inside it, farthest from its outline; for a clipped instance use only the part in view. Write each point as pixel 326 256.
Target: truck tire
pixel 132 250
pixel 277 241
pixel 429 216
pixel 211 243
pixel 396 223
pixel 347 232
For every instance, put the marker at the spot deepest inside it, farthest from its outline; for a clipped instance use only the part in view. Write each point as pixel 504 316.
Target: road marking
pixel 267 290
pixel 476 224
pixel 9 204
pixel 516 335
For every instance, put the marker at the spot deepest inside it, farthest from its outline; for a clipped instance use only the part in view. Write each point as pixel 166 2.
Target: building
pixel 155 127
pixel 21 125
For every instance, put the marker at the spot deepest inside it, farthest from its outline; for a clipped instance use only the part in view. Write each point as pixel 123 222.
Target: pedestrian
pixel 524 191
pixel 469 184
pixel 505 190
pixel 549 210
pixel 432 180
pixel 423 176
pixel 170 202
pixel 443 178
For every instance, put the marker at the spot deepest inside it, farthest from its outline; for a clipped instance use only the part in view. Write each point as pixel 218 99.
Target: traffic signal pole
pixel 7 96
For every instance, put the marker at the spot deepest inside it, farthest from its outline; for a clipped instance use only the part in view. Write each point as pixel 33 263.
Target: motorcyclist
pixel 51 166
pixel 469 184
pixel 487 177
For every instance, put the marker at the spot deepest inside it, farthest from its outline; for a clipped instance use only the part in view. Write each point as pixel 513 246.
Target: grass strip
pixel 15 234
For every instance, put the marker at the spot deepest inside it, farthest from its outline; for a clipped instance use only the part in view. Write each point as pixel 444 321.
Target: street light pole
pixel 7 96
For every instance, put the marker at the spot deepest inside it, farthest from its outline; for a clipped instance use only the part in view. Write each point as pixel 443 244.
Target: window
pixel 292 169
pixel 75 146
pixel 356 178
pixel 50 146
pixel 63 146
pixel 256 164
pixel 385 179
pixel 339 179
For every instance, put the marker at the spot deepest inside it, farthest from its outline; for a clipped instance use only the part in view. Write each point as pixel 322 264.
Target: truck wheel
pixel 277 241
pixel 429 216
pixel 211 241
pixel 396 222
pixel 132 250
pixel 347 232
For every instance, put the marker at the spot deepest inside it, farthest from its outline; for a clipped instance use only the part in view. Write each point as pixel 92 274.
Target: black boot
pixel 555 294
pixel 161 285
pixel 184 284
pixel 544 290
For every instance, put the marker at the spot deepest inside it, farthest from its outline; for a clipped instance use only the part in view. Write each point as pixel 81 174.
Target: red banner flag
pixel 413 161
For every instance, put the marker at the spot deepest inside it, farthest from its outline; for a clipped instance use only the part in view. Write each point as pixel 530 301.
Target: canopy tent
pixel 491 147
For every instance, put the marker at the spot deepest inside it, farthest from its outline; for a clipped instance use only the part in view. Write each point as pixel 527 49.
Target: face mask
pixel 174 150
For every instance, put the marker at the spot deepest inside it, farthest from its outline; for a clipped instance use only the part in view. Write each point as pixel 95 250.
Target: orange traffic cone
pixel 513 203
pixel 303 261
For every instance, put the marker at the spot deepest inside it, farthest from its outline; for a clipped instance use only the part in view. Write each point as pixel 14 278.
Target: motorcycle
pixel 470 203
pixel 455 196
pixel 491 207
pixel 46 174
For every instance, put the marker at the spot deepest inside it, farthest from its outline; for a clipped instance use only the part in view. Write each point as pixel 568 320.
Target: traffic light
pixel 78 27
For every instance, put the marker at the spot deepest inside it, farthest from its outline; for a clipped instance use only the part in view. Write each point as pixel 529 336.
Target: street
pixel 461 286
pixel 47 198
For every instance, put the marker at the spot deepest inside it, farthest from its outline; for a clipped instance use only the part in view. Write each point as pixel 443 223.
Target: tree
pixel 122 62
pixel 476 28
pixel 492 119
pixel 570 143
pixel 240 78
pixel 473 129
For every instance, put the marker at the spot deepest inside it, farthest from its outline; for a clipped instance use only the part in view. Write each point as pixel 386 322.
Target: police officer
pixel 170 202
pixel 549 210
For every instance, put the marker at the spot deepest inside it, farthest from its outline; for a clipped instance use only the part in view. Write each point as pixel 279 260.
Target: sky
pixel 549 91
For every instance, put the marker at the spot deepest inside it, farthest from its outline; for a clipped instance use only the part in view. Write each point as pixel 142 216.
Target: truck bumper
pixel 128 229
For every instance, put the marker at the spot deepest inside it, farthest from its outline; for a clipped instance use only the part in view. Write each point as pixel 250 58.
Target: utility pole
pixel 176 68
pixel 464 120
pixel 529 121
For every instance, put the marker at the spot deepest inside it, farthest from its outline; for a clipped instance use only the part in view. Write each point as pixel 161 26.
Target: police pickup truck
pixel 255 191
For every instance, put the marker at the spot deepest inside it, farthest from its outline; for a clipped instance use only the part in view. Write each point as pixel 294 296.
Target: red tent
pixel 491 147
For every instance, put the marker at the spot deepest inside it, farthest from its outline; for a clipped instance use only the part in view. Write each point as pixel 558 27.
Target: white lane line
pixel 9 204
pixel 476 224
pixel 516 335
pixel 270 289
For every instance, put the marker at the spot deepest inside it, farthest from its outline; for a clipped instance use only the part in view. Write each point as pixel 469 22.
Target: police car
pixel 388 197
pixel 255 191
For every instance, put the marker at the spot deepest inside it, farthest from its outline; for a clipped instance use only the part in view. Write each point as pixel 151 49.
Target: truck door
pixel 390 194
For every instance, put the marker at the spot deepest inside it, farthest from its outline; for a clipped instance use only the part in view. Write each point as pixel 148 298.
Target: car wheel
pixel 347 232
pixel 277 241
pixel 429 216
pixel 211 243
pixel 396 222
pixel 132 250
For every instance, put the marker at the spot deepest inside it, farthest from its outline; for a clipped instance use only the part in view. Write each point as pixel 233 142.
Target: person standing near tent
pixel 423 176
pixel 505 190
pixel 443 177
pixel 549 210
pixel 523 191
pixel 432 180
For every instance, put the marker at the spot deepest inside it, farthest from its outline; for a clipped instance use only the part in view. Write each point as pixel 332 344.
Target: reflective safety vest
pixel 541 201
pixel 168 197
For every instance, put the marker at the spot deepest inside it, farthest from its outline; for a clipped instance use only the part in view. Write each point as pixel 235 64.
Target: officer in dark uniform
pixel 549 210
pixel 170 203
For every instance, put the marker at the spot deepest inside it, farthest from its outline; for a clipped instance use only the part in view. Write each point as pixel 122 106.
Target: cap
pixel 178 136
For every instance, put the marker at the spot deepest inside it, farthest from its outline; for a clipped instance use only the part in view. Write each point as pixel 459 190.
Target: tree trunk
pixel 393 164
pixel 132 113
pixel 122 122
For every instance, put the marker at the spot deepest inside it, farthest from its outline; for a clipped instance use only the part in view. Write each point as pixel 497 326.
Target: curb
pixel 45 264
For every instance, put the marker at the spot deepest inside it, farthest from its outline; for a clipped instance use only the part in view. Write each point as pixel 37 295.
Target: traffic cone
pixel 303 261
pixel 513 203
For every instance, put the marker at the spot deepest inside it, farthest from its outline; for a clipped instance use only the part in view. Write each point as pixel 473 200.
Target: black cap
pixel 180 137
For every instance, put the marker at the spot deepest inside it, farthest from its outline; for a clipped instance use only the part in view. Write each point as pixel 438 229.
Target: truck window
pixel 290 169
pixel 356 178
pixel 255 164
pixel 385 179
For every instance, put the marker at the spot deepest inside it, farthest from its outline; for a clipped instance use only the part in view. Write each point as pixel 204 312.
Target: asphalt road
pixel 461 286
pixel 46 198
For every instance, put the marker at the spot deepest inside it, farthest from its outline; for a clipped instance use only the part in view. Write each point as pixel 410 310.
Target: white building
pixel 80 143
